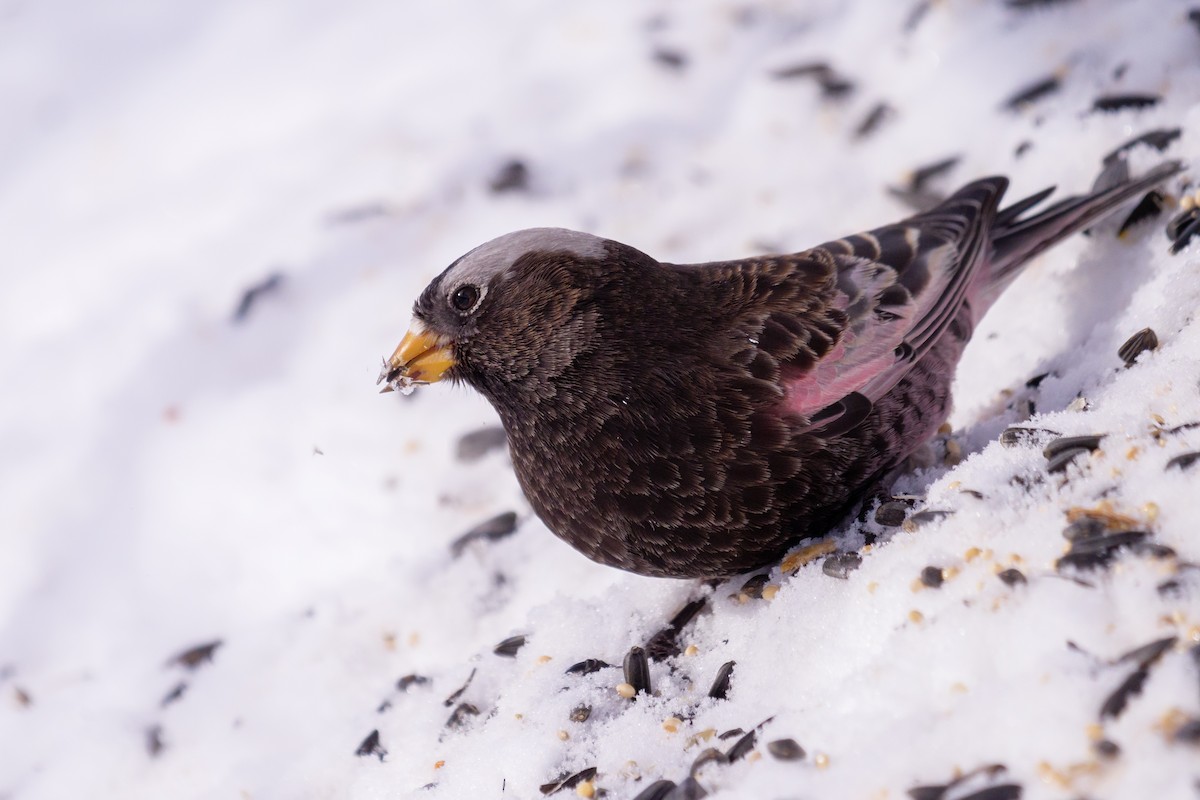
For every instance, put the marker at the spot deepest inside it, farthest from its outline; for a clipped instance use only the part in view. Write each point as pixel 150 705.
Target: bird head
pixel 509 312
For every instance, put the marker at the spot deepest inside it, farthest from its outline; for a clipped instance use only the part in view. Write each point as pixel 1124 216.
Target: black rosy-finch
pixel 696 420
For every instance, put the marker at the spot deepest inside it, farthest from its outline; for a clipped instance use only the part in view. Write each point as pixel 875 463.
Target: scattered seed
pixel 1150 206
pixel 587 666
pixel 1099 551
pixel 688 789
pixel 1177 223
pixel 1188 732
pixel 656 791
pixel 731 733
pixel 568 781
pixel 879 113
pixel 937 792
pixel 491 530
pixel 1022 148
pixel 1084 528
pixel 512 176
pixel 370 746
pixel 580 713
pixel 1170 588
pixel 1063 458
pixel 626 690
pixel 709 755
pixel 1089 442
pixel 769 591
pixel 586 789
pixel 1024 4
pixel 1115 703
pixel 671 724
pixel 475 445
pixel 916 616
pixel 971 554
pixel 252 294
pixel 1184 461
pixel 821 760
pixel 362 212
pixel 932 577
pixel 457 693
pixel 175 694
pixel 1152 550
pixel 154 742
pixel 891 514
pixel 1139 343
pixel 720 686
pixel 1147 655
pixel 1002 791
pixel 1032 93
pixel 1013 436
pixel 833 86
pixel 1106 749
pixel 193 657
pixel 1036 380
pixel 1012 577
pixel 923 175
pixel 840 565
pixel 1186 231
pixel 1120 102
pixel 669 58
pixel 924 518
pixel 637 670
pixel 510 646
pixel 742 746
pixel 785 749
pixel 807 554
pixel 754 587
pixel 409 681
pixel 665 643
pixel 462 712
pixel 1159 139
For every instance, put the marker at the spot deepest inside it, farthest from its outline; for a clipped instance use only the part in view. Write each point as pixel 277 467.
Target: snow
pixel 170 477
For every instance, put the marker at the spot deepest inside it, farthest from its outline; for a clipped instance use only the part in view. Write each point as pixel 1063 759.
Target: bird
pixel 699 420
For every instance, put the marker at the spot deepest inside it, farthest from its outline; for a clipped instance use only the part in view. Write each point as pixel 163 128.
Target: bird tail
pixel 1015 241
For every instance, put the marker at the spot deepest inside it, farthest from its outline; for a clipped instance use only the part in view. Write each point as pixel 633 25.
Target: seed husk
pixel 1030 94
pixel 1087 442
pixel 568 781
pixel 1012 577
pixel 1121 102
pixel 490 530
pixel 587 666
pixel 475 445
pixel 656 791
pixel 370 746
pixel 785 749
pixel 510 646
pixel 1064 457
pixel 840 565
pixel 720 686
pixel 665 643
pixel 637 670
pixel 891 514
pixel 1184 461
pixel 742 746
pixel 1142 341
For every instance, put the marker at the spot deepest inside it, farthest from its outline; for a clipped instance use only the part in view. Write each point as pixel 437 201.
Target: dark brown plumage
pixel 697 420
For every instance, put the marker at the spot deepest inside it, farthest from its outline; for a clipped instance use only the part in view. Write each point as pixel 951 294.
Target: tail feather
pixel 1015 241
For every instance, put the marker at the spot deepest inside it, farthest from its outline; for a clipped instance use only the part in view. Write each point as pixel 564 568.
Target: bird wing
pixel 899 288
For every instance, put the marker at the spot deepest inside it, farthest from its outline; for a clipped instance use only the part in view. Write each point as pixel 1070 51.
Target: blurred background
pixel 214 218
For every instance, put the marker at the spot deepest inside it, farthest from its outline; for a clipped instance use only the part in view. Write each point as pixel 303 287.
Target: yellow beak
pixel 421 357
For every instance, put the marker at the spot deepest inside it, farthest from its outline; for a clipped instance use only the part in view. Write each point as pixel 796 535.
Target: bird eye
pixel 465 297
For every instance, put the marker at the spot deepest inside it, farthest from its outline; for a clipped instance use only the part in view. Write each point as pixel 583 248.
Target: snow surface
pixel 170 477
